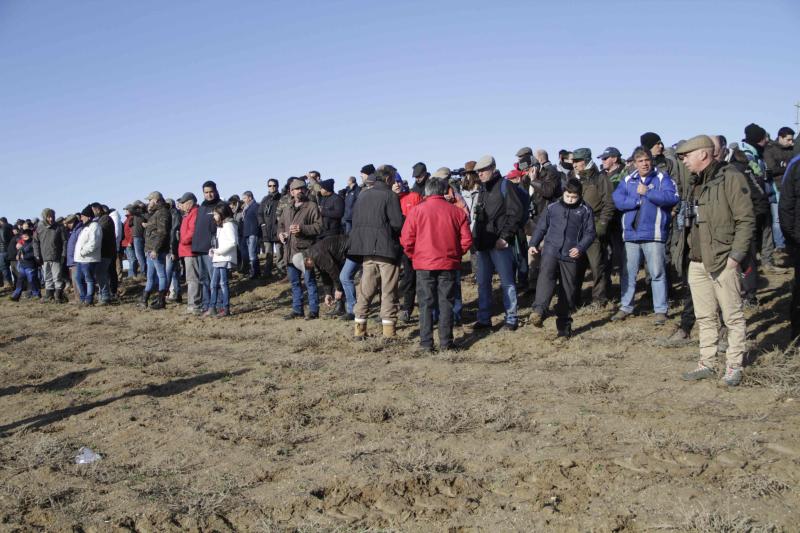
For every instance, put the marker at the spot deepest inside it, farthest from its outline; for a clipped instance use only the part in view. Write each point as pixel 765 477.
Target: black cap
pixel 186 197
pixel 419 169
pixel 610 152
pixel 368 169
pixel 649 139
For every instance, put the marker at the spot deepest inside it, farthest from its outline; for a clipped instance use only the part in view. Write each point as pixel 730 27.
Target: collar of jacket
pixel 589 172
pixel 576 205
pixel 494 180
pixel 707 174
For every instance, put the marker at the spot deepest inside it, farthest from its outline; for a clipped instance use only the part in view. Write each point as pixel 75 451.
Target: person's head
pixel 541 156
pixel 70 221
pixel 298 190
pixel 366 170
pixel 187 202
pixel 643 161
pixel 87 214
pixel 386 174
pixel 786 137
pixel 525 151
pixel 351 182
pixel 210 193
pixel 272 186
pixel 313 175
pixel 610 158
pixel 154 199
pixel 27 234
pixel 234 202
pixel 419 172
pixel 581 158
pixel 222 212
pixel 49 216
pixel 720 147
pixel 326 187
pixel 485 168
pixel 572 192
pixel 652 141
pixel 436 187
pixel 755 135
pixel 247 196
pixel 697 153
pixel 97 209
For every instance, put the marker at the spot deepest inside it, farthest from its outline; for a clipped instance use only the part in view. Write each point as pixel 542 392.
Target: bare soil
pixel 253 423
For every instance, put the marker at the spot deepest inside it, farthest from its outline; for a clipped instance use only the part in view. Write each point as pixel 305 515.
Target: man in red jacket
pixel 191 262
pixel 435 236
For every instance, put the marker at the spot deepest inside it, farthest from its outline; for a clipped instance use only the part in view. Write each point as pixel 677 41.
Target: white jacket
pixel 227 243
pixel 87 247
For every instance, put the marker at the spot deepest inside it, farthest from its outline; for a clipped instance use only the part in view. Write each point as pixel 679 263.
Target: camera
pixel 457 172
pixel 526 163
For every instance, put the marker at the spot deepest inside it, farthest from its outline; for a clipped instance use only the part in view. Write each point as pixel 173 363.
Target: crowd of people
pixel 701 216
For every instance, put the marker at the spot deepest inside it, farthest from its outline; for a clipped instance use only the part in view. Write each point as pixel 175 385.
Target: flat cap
pixel 297 183
pixel 71 219
pixel 485 162
pixel 418 169
pixel 525 150
pixel 155 195
pixel 695 143
pixel 610 152
pixel 582 154
pixel 186 197
pixel 443 173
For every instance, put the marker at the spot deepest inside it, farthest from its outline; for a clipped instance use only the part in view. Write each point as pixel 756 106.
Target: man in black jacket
pixel 350 197
pixel 331 207
pixel 268 220
pixel 50 249
pixel 204 230
pixel 328 255
pixel 497 215
pixel 6 236
pixel 789 216
pixel 108 253
pixel 375 241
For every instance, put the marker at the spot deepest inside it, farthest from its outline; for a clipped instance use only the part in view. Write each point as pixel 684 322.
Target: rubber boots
pixel 161 300
pixel 143 303
pixel 388 329
pixel 360 329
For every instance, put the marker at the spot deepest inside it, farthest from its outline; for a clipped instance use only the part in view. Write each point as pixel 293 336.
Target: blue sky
pixel 109 100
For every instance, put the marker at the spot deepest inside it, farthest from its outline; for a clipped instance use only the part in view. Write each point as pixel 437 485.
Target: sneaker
pixel 311 316
pixel 223 313
pixel 209 313
pixel 732 377
pixel 660 319
pixel 537 320
pixel 701 372
pixel 423 350
pixel 620 315
pixel 293 316
pixel 509 326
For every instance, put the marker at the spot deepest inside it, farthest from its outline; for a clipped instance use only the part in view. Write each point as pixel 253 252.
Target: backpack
pixel 523 196
pixel 757 195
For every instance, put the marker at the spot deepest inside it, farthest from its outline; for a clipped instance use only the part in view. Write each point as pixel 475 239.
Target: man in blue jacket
pixel 645 198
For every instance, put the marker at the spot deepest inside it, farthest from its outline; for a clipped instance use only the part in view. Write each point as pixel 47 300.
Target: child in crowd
pixel 223 256
pixel 26 264
pixel 567 229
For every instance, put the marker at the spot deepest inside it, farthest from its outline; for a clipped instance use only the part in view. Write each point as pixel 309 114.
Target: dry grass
pixel 705 521
pixel 778 370
pixel 425 460
pixel 599 385
pixel 757 486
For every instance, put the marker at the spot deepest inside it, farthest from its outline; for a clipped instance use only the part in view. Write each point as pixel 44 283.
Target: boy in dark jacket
pixel 26 262
pixel 567 228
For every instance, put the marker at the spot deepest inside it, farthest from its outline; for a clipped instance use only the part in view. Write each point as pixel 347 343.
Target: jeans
pixel 346 276
pixel 133 263
pixel 297 290
pixel 458 303
pixel 5 270
pixel 502 262
pixel 173 273
pixel 655 258
pixel 777 234
pixel 206 267
pixel 220 295
pixel 436 288
pixel 103 277
pixel 252 244
pixel 138 248
pixel 31 274
pixel 156 268
pixel 86 278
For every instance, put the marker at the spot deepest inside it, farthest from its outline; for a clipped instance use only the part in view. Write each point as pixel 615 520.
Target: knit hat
pixel 419 169
pixel 649 139
pixel 754 134
pixel 368 169
pixel 87 211
pixel 582 154
pixel 327 185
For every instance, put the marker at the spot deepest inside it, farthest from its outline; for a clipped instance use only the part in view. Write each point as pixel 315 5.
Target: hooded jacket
pixel 205 228
pixel 89 243
pixel 108 248
pixel 227 237
pixel 563 227
pixel 646 218
pixel 6 236
pixel 436 235
pixel 157 231
pixel 50 242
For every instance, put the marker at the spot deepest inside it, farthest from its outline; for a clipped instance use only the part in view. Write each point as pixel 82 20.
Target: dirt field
pixel 251 423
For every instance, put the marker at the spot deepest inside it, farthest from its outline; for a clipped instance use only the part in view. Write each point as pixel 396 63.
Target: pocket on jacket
pixel 723 234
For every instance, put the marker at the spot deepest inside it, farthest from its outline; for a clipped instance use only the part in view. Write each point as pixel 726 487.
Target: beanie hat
pixel 649 139
pixel 87 211
pixel 754 134
pixel 327 185
pixel 368 169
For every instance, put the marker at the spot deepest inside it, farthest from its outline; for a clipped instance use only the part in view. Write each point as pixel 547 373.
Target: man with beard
pixel 298 227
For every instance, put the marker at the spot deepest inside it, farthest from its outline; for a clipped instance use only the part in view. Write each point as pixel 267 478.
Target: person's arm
pixel 737 191
pixel 312 225
pixel 466 233
pixel 514 213
pixel 394 214
pixel 787 203
pixel 161 232
pixel 588 234
pixel 622 200
pixel 607 205
pixel 666 196
pixel 541 230
pixel 408 236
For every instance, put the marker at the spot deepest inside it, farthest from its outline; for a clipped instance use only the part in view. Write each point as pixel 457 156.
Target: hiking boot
pixel 338 310
pixel 404 316
pixel 659 319
pixel 477 326
pixel 360 330
pixel 388 329
pixel 701 372
pixel 508 326
pixel 565 333
pixel 293 315
pixel 223 313
pixel 144 301
pixel 423 349
pixel 537 320
pixel 14 297
pixel 732 377
pixel 60 298
pixel 620 316
pixel 451 346
pixel 160 302
pixel 311 316
pixel 49 296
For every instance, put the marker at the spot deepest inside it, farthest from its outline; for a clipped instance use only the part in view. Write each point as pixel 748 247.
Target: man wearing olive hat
pixel 597 191
pixel 721 225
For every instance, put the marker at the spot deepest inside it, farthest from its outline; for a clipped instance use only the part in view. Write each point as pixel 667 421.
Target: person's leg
pixel 655 257
pixel 169 267
pixel 458 302
pixel 545 284
pixel 633 258
pixel 366 289
pixel 90 277
pixel 58 275
pixel 425 286
pixel 47 276
pixel 224 301
pixel 253 242
pixel 504 263
pixel 596 254
pixel 194 297
pixel 407 282
pixel 311 288
pixel 566 293
pixel 214 296
pixel 485 273
pixel 705 310
pixel 80 281
pixel 160 264
pixel 113 279
pixel 206 267
pixel 445 292
pixel 130 255
pixel 777 234
pixel 152 276
pixel 794 311
pixel 767 240
pixel 390 279
pixel 346 277
pixel 103 281
pixel 138 247
pixel 297 289
pixel 728 292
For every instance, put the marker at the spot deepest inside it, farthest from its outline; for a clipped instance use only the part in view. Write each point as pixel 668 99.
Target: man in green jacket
pixel 721 226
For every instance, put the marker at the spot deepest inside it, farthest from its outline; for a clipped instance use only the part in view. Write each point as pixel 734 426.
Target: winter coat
pixel 646 218
pixel 436 235
pixel 377 221
pixel 127 232
pixel 6 244
pixel 108 249
pixel 117 220
pixel 725 223
pixel 136 223
pixel 789 204
pixel 331 209
pixel 597 193
pixel 350 197
pixel 72 242
pixel 545 188
pixel 176 218
pixel 306 215
pixel 50 242
pixel 759 168
pixel 329 255
pixel 250 224
pixel 89 243
pixel 205 228
pixel 776 158
pixel 564 227
pixel 26 256
pixel 409 200
pixel 498 213
pixel 187 232
pixel 227 238
pixel 157 231
pixel 268 217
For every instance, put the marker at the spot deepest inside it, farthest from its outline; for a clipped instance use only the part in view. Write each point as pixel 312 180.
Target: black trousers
pixel 595 258
pixel 407 284
pixel 552 270
pixel 436 286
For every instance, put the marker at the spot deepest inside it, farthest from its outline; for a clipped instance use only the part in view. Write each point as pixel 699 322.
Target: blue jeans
pixel 297 290
pixel 31 274
pixel 103 278
pixel 5 270
pixel 220 295
pixel 458 304
pixel 253 242
pixel 346 276
pixel 156 268
pixel 777 234
pixel 656 260
pixel 502 262
pixel 173 272
pixel 138 249
pixel 206 265
pixel 86 278
pixel 133 263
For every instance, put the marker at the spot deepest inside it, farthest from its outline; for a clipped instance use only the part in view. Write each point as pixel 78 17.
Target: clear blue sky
pixel 109 100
